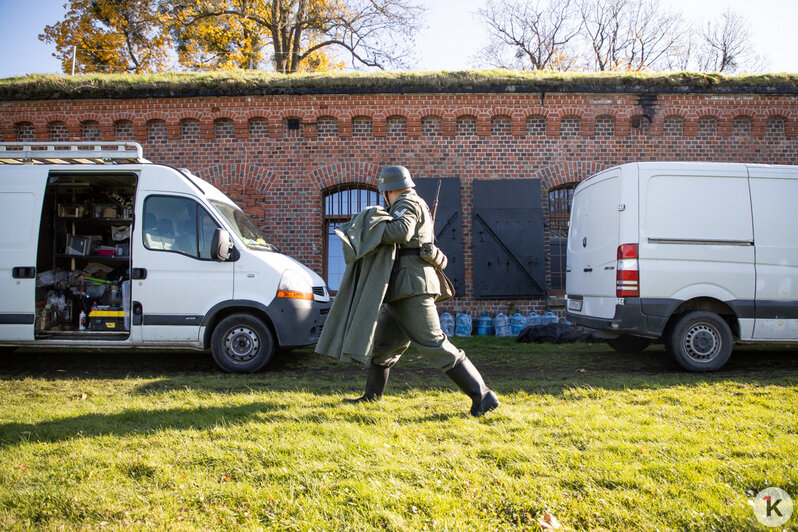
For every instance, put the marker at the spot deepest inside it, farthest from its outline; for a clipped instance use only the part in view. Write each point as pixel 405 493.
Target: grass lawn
pixel 600 440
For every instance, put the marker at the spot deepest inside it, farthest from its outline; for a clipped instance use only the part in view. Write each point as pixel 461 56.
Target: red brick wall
pixel 243 145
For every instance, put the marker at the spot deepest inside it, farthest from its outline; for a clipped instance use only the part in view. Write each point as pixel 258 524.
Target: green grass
pixel 229 83
pixel 603 441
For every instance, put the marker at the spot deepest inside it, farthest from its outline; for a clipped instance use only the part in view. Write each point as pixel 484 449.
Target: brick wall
pixel 276 155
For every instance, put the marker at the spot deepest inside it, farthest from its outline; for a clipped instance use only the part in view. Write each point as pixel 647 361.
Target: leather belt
pixel 406 252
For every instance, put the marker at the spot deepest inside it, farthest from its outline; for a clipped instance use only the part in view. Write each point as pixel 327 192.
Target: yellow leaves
pixel 141 36
pixel 113 36
pixel 548 522
pixel 321 61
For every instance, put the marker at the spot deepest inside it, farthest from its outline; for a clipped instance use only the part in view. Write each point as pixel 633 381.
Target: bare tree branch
pixel 374 33
pixel 529 35
pixel 725 45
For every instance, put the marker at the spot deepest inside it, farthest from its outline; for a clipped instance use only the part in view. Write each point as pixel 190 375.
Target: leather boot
pixel 375 384
pixel 466 376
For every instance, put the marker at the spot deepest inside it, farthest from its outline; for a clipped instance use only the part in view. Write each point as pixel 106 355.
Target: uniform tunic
pixel 409 314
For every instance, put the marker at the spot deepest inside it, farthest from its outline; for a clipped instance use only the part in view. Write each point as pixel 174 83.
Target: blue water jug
pixel 484 325
pixel 517 323
pixel 501 324
pixel 447 323
pixel 533 319
pixel 549 317
pixel 463 325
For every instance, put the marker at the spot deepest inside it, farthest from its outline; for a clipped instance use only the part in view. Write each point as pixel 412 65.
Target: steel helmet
pixel 395 178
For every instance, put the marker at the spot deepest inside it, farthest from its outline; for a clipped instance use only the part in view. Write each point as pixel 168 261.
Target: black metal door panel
pixel 507 234
pixel 448 224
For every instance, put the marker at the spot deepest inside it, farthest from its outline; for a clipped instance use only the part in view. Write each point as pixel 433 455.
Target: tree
pixel 110 36
pixel 725 45
pixel 300 34
pixel 530 36
pixel 630 34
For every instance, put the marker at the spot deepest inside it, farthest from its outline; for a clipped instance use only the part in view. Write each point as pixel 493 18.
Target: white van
pixel 101 248
pixel 693 254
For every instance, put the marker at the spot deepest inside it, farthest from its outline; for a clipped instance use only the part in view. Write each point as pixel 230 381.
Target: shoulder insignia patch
pixel 399 213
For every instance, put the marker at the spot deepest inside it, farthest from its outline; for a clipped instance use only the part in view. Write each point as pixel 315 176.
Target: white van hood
pixel 284 262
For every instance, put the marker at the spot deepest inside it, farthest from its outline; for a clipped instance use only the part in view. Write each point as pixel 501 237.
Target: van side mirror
pixel 221 245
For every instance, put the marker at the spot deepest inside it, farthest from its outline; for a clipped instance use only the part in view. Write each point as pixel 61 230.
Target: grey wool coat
pixel 348 332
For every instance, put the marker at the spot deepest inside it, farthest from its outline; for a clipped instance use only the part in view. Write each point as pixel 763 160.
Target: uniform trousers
pixel 413 320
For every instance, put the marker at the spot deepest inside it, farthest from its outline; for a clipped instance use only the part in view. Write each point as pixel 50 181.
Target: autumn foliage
pixel 287 36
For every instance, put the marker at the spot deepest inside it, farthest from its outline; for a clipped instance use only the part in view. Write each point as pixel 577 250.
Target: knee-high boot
pixel 466 376
pixel 375 384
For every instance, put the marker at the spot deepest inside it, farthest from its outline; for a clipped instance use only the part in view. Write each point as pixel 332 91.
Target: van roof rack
pixel 71 153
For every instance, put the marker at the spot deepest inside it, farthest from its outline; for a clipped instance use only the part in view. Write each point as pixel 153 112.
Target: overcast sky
pixel 449 42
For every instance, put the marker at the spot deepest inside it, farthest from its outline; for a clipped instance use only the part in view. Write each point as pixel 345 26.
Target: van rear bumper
pixel 297 322
pixel 629 318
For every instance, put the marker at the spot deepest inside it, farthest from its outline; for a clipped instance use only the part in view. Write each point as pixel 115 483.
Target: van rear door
pixel 21 197
pixel 593 245
pixel 773 195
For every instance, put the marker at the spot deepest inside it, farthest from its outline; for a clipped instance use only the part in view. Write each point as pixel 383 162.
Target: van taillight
pixel 627 272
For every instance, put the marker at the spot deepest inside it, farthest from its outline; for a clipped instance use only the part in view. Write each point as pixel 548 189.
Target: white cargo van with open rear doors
pixel 100 248
pixel 693 254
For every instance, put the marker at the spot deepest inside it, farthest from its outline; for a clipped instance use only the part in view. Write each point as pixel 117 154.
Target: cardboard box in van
pixel 170 259
pixel 694 255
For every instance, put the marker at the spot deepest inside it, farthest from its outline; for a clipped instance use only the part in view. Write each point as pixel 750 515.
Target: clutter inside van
pixel 83 284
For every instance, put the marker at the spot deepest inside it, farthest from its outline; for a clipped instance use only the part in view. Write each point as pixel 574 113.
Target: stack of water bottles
pixel 501 325
pixel 459 326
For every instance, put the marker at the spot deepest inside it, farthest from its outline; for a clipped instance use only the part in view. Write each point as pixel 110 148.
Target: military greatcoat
pixel 409 314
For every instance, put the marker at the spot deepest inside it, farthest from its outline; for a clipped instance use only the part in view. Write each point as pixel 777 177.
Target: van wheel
pixel 241 343
pixel 700 341
pixel 626 343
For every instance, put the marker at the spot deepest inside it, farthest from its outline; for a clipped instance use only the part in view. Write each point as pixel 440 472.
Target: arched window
pixel 560 200
pixel 340 204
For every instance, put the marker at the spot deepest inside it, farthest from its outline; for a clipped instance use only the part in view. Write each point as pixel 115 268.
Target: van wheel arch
pixel 223 310
pixel 706 304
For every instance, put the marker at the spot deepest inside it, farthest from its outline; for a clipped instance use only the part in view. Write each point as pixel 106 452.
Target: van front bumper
pixel 629 319
pixel 298 322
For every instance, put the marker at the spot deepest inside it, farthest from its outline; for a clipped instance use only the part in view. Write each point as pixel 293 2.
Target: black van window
pixel 178 225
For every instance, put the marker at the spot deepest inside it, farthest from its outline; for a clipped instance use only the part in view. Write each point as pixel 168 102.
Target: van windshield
pixel 243 227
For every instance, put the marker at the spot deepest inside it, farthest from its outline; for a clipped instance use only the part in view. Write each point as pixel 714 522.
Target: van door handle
pixel 23 272
pixel 138 273
pixel 587 270
pixel 138 311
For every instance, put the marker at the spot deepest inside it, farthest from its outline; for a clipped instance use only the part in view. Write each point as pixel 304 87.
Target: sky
pixel 452 37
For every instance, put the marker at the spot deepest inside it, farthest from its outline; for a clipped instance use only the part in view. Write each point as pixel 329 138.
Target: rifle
pixel 435 207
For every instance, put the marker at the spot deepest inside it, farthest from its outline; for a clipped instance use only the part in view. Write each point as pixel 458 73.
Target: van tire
pixel 700 341
pixel 242 343
pixel 627 343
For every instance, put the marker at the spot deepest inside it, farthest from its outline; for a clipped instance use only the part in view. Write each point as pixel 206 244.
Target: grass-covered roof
pixel 228 83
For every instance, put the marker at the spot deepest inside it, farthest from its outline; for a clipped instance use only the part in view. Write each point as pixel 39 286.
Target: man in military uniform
pixel 408 314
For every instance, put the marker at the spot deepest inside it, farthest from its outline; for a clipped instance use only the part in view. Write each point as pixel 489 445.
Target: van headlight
pixel 295 285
